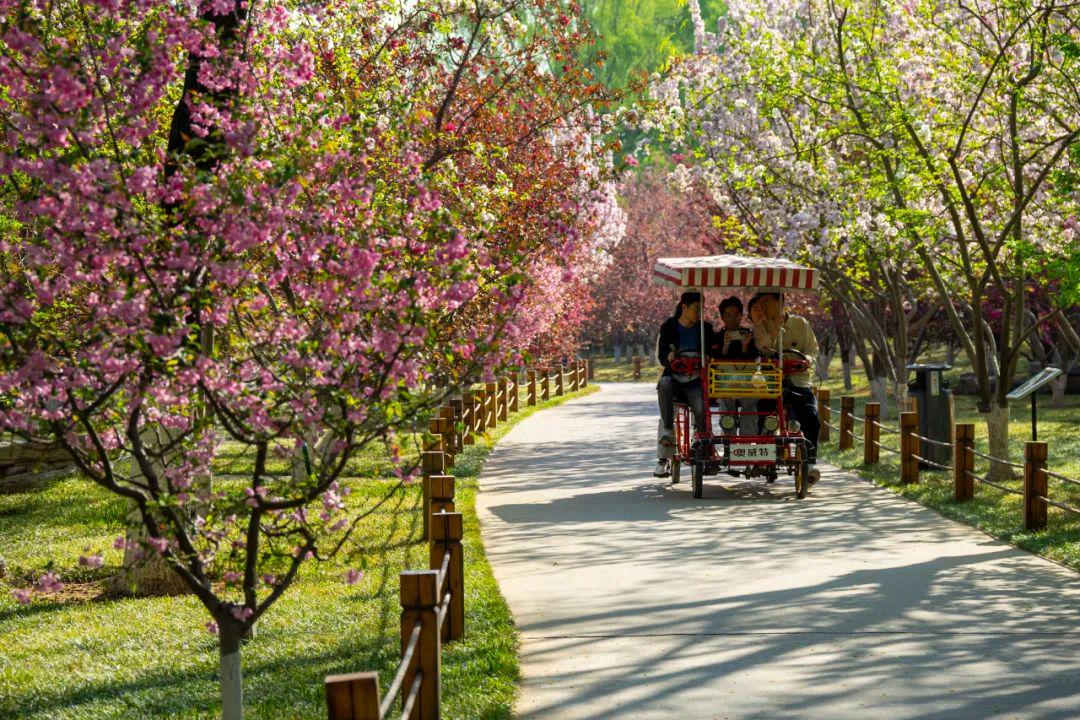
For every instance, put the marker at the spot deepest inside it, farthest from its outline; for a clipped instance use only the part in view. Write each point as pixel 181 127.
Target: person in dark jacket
pixel 680 335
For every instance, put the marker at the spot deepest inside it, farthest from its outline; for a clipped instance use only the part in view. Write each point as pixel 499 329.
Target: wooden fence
pixel 433 600
pixel 908 447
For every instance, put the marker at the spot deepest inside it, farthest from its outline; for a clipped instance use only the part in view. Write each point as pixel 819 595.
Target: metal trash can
pixel 935 407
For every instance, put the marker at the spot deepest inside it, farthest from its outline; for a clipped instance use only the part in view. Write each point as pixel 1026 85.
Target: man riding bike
pixel 680 337
pixel 799 398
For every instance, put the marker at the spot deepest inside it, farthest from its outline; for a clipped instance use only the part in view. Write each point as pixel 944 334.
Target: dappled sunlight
pixel 632 595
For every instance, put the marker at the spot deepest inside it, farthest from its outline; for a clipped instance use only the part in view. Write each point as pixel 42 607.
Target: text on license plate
pixel 753 452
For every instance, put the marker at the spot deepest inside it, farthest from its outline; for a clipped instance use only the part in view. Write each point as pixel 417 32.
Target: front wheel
pixel 676 466
pixel 802 481
pixel 697 478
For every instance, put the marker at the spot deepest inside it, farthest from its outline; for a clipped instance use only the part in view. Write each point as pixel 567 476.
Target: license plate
pixel 743 452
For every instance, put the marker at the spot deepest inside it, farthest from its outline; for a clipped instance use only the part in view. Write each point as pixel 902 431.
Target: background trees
pixel 920 158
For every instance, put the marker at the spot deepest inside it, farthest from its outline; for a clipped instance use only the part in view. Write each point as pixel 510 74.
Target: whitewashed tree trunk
pixel 1057 390
pixel 878 390
pixel 823 362
pixel 232 687
pixel 997 429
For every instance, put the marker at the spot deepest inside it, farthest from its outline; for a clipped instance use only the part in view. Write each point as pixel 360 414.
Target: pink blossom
pixel 21 596
pixel 159 544
pixel 212 627
pixel 93 561
pixel 353 576
pixel 50 582
pixel 242 613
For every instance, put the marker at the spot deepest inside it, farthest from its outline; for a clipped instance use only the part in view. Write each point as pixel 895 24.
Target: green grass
pixel 85 656
pixel 605 369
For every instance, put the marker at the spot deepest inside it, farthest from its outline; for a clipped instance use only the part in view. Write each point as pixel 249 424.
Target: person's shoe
pixel 813 475
pixel 663 469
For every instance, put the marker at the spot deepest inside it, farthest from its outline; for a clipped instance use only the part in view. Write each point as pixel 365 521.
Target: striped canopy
pixel 735 271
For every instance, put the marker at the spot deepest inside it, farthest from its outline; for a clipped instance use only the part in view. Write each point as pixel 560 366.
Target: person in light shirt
pixel 799 398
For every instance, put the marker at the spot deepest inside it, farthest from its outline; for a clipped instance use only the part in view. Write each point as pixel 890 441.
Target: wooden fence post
pixel 491 411
pixel 449 435
pixel 457 407
pixel 420 604
pixel 545 385
pixel 909 447
pixel 468 417
pixel 573 376
pixel 824 414
pixel 1035 485
pixel 437 427
pixel 442 493
pixel 432 463
pixel 354 696
pixel 504 405
pixel 559 380
pixel 515 394
pixel 480 411
pixel 871 434
pixel 963 462
pixel 637 367
pixel 530 390
pixel 590 370
pixel 447 533
pixel 847 422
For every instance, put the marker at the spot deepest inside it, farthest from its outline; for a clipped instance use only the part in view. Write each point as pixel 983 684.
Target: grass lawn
pixel 80 655
pixel 605 369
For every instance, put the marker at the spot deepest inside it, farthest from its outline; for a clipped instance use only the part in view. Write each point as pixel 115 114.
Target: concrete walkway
pixel 636 601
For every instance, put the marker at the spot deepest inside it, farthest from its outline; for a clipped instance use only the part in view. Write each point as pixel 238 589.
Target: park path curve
pixel 636 601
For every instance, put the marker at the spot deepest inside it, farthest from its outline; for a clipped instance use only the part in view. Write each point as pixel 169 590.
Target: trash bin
pixel 934 403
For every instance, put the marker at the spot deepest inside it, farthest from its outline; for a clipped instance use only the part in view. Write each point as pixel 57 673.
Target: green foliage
pixel 637 38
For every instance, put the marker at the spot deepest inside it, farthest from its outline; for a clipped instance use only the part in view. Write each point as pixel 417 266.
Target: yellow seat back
pixel 743 379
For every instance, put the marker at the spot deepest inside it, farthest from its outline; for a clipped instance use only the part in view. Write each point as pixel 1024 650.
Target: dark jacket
pixel 669 335
pixel 734 351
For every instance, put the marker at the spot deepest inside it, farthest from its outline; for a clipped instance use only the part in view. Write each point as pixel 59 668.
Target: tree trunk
pixel 950 353
pixel 878 390
pixel 823 362
pixel 146 573
pixel 997 429
pixel 846 363
pixel 1057 390
pixel 232 691
pixel 900 391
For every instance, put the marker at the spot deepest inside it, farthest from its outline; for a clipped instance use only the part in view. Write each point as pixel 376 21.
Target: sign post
pixel 1031 388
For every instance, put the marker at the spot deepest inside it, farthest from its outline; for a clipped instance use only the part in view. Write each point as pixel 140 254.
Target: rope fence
pixel 999 461
pixel 886 448
pixel 991 483
pixel 917 451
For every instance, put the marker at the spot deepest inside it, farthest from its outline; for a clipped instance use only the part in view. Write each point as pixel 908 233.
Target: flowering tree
pixel 661 220
pixel 264 243
pixel 969 176
pixel 744 108
pixel 889 139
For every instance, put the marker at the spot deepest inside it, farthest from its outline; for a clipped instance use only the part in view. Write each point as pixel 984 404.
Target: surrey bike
pixel 778 445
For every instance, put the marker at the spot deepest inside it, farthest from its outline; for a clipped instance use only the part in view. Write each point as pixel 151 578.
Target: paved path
pixel 636 601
